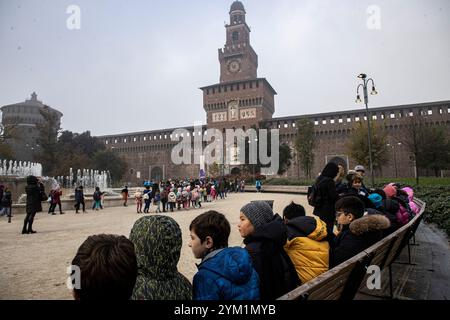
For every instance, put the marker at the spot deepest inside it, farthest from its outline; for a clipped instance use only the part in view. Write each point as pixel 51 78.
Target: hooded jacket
pixel 157 243
pixel 35 194
pixel 358 236
pixel 226 274
pixel 277 274
pixel 307 247
pixel 327 190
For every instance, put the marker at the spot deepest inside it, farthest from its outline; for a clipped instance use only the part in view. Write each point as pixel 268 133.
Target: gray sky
pixel 137 65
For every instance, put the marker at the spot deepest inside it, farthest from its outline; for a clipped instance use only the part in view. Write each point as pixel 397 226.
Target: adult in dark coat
pixel 277 274
pixel 35 194
pixel 327 189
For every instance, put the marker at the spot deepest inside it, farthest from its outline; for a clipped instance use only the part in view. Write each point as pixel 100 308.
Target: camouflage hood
pixel 157 243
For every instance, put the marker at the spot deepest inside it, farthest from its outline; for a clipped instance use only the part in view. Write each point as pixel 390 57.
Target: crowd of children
pixel 181 194
pixel 279 253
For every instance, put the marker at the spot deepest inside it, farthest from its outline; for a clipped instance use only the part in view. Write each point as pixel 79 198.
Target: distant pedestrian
pixel 35 195
pixel 125 196
pixel 79 199
pixel 97 198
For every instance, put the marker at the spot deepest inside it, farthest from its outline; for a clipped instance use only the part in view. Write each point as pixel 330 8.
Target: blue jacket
pixel 226 274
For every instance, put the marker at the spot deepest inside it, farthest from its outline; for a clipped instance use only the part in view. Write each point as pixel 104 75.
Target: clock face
pixel 234 66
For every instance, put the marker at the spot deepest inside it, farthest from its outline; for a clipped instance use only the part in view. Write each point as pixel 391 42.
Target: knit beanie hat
pixel 376 199
pixel 258 212
pixel 390 191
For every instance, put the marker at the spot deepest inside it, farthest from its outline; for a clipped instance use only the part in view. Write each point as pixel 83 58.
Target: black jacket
pixel 327 190
pixel 357 236
pixel 35 194
pixel 277 274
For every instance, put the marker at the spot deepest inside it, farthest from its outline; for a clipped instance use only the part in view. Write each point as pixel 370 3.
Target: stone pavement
pixel 428 275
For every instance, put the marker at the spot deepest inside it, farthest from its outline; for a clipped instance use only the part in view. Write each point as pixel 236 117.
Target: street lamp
pixel 363 76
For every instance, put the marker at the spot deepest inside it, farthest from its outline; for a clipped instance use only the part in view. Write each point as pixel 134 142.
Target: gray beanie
pixel 258 212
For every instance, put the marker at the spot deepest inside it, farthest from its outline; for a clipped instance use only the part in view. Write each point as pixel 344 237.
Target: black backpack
pixel 314 196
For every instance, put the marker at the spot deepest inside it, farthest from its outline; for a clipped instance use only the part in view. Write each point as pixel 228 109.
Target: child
pixel 172 198
pixel 97 198
pixel 79 198
pixel 157 243
pixel 138 197
pixel 157 201
pixel 357 233
pixel 264 237
pixel 108 268
pixel 147 199
pixel 224 273
pixel 306 245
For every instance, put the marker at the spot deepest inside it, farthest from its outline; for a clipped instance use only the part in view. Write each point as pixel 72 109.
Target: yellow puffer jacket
pixel 307 247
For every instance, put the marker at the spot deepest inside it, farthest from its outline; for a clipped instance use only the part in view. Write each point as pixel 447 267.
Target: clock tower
pixel 238 60
pixel 240 99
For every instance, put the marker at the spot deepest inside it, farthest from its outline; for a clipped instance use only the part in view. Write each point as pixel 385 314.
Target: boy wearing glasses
pixel 357 232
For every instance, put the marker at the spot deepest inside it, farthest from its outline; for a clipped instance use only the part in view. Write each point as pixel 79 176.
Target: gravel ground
pixel 34 266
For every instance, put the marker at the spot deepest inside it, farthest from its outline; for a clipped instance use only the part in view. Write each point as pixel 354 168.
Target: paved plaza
pixel 34 266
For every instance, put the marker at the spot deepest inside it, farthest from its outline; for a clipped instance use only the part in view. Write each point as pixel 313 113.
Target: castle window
pixel 411 114
pixel 324 121
pixel 165 136
pixel 257 84
pixel 231 87
pixel 145 138
pixel 286 125
pixel 430 112
pixel 106 142
pixel 340 120
pixel 115 140
pixel 392 115
pixel 356 118
pixel 251 85
pixel 134 139
pixel 374 117
pixel 349 119
pixel 125 140
pixel 207 91
pixel 243 86
pixel 154 137
pixel 225 88
pixel 293 124
pixel 316 122
pixel 440 111
pixel 235 35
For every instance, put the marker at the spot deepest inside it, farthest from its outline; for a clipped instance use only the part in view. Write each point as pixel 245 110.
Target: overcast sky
pixel 137 65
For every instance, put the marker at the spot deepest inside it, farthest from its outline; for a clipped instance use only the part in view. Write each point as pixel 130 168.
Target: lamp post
pixel 363 76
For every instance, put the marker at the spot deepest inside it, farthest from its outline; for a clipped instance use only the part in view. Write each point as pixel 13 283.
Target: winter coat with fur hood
pixel 358 236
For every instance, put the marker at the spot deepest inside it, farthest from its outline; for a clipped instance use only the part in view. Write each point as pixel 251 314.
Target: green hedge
pixel 438 205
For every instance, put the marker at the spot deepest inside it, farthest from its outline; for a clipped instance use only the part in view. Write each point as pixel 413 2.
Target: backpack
pixel 314 196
